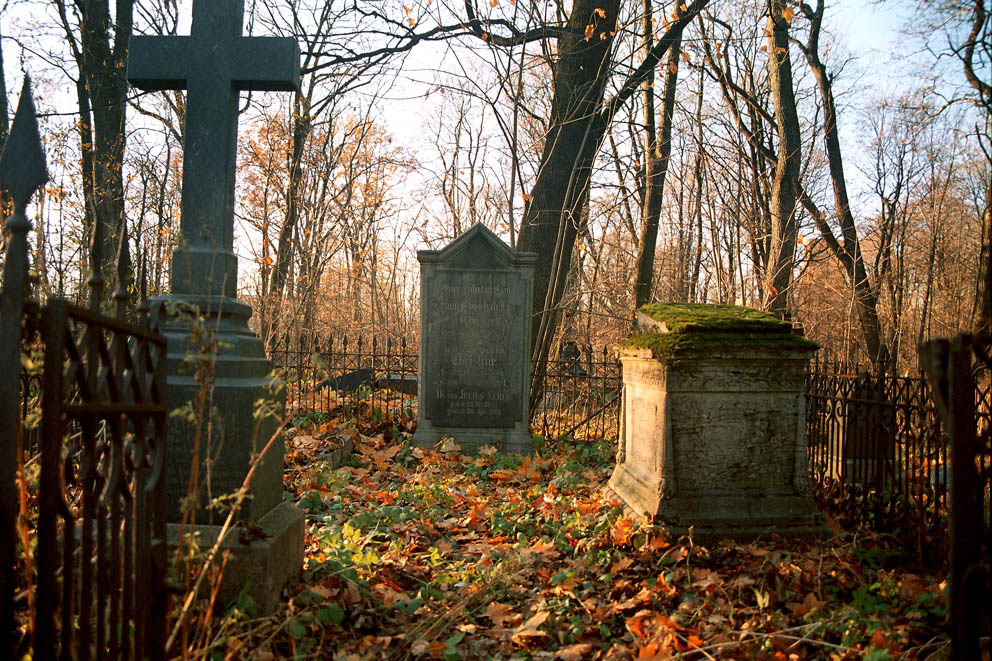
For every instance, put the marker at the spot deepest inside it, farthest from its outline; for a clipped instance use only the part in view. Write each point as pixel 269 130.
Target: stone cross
pixel 212 64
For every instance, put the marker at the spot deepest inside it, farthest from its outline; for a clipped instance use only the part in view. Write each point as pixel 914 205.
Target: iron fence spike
pixel 22 163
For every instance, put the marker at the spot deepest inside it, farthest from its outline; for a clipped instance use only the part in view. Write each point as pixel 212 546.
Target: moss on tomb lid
pixel 703 317
pixel 673 329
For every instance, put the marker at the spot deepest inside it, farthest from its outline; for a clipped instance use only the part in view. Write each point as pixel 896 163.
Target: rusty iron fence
pixel 100 562
pixel 335 376
pixel 22 173
pixel 878 456
pixel 960 371
pixel 29 410
pixel 375 377
pixel 581 400
pixel 88 488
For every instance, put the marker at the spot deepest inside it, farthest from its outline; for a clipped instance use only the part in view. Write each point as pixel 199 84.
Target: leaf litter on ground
pixel 438 554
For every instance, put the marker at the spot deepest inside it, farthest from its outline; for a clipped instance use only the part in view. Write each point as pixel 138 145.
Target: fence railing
pixel 960 371
pixel 581 399
pixel 342 375
pixel 100 562
pixel 879 457
pixel 581 385
pixel 92 586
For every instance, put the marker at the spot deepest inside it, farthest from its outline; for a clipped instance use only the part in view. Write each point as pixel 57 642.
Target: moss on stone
pixel 694 328
pixel 702 317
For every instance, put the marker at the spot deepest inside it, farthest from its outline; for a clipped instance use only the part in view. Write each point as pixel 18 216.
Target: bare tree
pixel 99 42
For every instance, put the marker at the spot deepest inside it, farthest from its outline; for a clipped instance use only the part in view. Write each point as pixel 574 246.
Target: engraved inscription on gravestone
pixel 477 329
pixel 475 341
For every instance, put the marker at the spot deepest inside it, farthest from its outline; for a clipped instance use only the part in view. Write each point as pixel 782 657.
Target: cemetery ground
pixel 436 554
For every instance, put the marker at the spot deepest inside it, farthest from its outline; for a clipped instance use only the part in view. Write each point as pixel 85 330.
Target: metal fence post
pixel 22 172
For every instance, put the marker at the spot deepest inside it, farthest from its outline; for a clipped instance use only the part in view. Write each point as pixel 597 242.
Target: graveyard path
pixel 437 555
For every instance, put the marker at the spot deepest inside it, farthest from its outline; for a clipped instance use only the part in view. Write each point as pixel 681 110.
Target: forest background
pixel 756 152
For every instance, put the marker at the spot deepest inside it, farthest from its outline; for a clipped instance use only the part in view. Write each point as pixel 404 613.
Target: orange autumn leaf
pixel 634 624
pixel 503 475
pixel 527 632
pixel 657 543
pixel 649 651
pixel 501 615
pixel 621 531
pixel 620 565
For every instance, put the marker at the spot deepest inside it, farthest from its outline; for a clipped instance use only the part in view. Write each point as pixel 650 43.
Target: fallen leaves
pixel 434 554
pixel 502 615
pixel 528 632
pixel 809 604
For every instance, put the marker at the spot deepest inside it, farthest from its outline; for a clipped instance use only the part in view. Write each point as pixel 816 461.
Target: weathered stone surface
pixel 475 338
pixel 214 63
pixel 262 559
pixel 715 441
pixel 241 378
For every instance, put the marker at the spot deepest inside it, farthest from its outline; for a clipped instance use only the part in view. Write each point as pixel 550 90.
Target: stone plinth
pixel 475 310
pixel 241 377
pixel 713 435
pixel 260 562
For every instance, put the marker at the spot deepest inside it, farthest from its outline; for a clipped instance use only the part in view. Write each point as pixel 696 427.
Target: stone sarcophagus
pixel 713 427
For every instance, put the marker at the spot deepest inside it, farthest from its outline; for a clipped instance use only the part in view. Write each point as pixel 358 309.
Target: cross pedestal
pixel 213 64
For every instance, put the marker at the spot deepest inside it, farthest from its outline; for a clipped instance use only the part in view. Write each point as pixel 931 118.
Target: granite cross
pixel 212 64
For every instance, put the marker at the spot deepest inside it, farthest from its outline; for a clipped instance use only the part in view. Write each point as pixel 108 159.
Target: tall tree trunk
pixel 778 276
pixel 697 209
pixel 849 253
pixel 984 291
pixel 656 158
pixel 100 51
pixel 5 200
pixel 553 215
pixel 104 71
pixel 302 126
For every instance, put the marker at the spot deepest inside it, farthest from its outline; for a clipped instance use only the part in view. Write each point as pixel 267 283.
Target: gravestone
pixel 475 312
pixel 713 424
pixel 868 421
pixel 213 64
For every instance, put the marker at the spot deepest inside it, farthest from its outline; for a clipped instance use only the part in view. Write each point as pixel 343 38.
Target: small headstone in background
pixel 475 313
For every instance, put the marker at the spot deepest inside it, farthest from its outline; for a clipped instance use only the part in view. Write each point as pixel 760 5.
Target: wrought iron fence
pixel 29 411
pixel 338 376
pixel 92 586
pixel 333 376
pixel 581 399
pixel 100 564
pixel 879 457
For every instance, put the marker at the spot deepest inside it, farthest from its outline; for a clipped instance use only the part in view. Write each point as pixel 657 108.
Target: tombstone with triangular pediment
pixel 475 314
